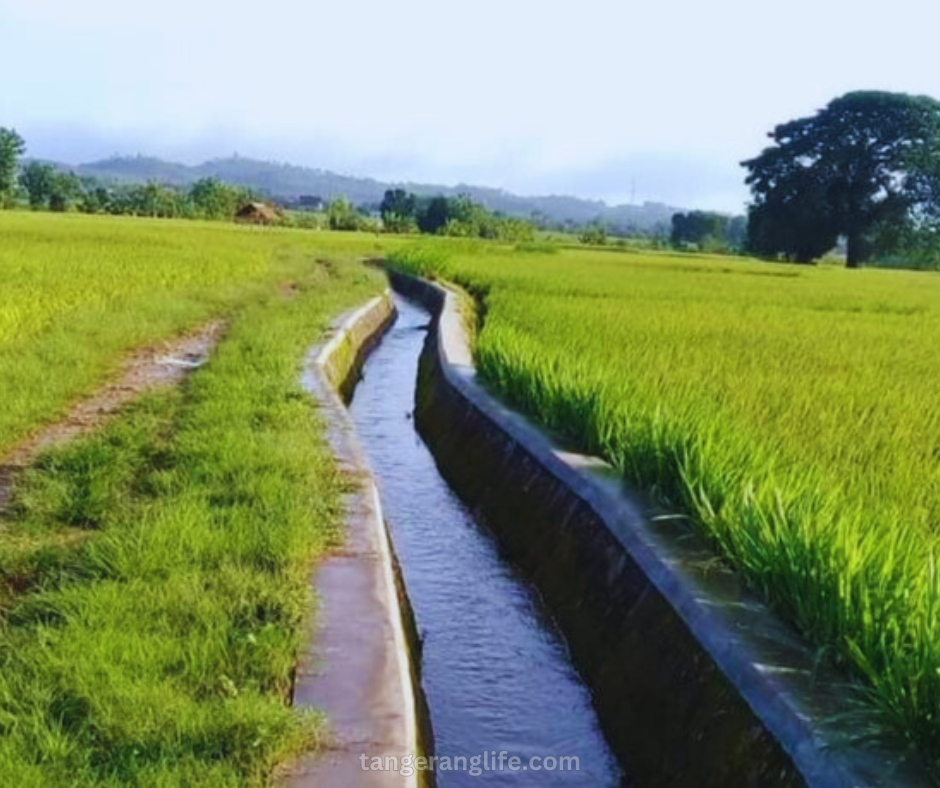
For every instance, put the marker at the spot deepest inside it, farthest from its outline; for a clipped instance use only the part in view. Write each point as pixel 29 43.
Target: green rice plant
pixel 790 413
pixel 77 293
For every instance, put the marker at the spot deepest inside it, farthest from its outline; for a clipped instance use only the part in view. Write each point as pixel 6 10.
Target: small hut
pixel 257 213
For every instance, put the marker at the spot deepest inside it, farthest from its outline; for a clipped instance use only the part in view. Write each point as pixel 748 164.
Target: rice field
pixel 78 292
pixel 154 573
pixel 790 413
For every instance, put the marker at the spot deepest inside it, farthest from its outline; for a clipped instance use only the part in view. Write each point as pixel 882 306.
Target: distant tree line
pixel 708 231
pixel 404 212
pixel 45 187
pixel 341 214
pixel 594 234
pixel 50 189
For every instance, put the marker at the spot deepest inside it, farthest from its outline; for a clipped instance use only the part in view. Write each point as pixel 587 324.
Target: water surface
pixel 495 669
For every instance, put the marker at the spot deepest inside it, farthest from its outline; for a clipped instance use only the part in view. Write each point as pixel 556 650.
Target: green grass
pixel 78 292
pixel 153 576
pixel 789 412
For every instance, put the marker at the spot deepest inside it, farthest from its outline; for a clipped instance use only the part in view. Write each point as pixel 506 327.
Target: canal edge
pixel 718 627
pixel 360 664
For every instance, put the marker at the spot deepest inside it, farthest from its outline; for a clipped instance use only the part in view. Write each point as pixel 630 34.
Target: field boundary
pixel 717 683
pixel 358 666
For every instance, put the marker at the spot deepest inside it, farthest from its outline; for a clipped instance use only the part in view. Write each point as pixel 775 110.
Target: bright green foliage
pixel 213 199
pixel 12 147
pixel 65 192
pixel 790 413
pixel 458 217
pixel 154 200
pixel 154 577
pixel 38 179
pixel 342 215
pixel 468 219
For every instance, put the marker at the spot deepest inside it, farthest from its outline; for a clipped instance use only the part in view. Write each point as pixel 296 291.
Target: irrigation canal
pixel 495 669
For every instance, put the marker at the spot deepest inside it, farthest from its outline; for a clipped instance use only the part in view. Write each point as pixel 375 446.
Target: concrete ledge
pixel 695 680
pixel 358 666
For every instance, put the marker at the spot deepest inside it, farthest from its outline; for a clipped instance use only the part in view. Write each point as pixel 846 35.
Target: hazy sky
pixel 587 97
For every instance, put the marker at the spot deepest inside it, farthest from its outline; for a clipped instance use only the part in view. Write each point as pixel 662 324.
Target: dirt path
pixel 164 364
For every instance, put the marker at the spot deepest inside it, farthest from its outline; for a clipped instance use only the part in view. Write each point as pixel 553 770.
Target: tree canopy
pixel 11 148
pixel 38 179
pixel 456 216
pixel 398 210
pixel 860 168
pixel 213 199
pixel 708 231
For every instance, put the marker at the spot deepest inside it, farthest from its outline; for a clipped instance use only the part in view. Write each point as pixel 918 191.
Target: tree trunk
pixel 853 253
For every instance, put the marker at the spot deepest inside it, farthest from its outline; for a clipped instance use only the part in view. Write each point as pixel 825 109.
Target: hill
pixel 287 182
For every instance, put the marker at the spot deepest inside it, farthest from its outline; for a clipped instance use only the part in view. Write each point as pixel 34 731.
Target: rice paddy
pixel 78 292
pixel 789 412
pixel 153 574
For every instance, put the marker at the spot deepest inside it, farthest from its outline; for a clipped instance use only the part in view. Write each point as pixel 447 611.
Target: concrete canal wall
pixel 695 680
pixel 361 665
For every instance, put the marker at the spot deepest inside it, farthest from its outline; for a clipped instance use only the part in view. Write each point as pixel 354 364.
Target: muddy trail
pixel 156 366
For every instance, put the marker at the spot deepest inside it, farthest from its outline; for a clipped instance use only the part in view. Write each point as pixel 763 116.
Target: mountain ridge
pixel 288 182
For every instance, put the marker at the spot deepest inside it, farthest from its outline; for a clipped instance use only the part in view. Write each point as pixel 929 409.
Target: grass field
pixel 77 291
pixel 790 412
pixel 153 576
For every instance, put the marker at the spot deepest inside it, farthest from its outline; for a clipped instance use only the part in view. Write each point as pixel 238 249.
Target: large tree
pixel 66 191
pixel 695 227
pixel 398 210
pixel 213 199
pixel 38 179
pixel 434 215
pixel 868 161
pixel 11 148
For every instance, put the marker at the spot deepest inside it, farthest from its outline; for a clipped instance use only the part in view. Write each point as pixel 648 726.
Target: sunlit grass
pixel 154 576
pixel 76 292
pixel 790 412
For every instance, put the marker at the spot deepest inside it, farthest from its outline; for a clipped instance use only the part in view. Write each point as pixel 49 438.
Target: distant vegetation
pixel 12 147
pixel 44 187
pixel 288 184
pixel 708 231
pixel 594 235
pixel 51 189
pixel 789 413
pixel 866 168
pixel 453 216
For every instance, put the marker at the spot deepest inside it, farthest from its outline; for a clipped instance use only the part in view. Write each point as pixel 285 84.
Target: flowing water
pixel 495 669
